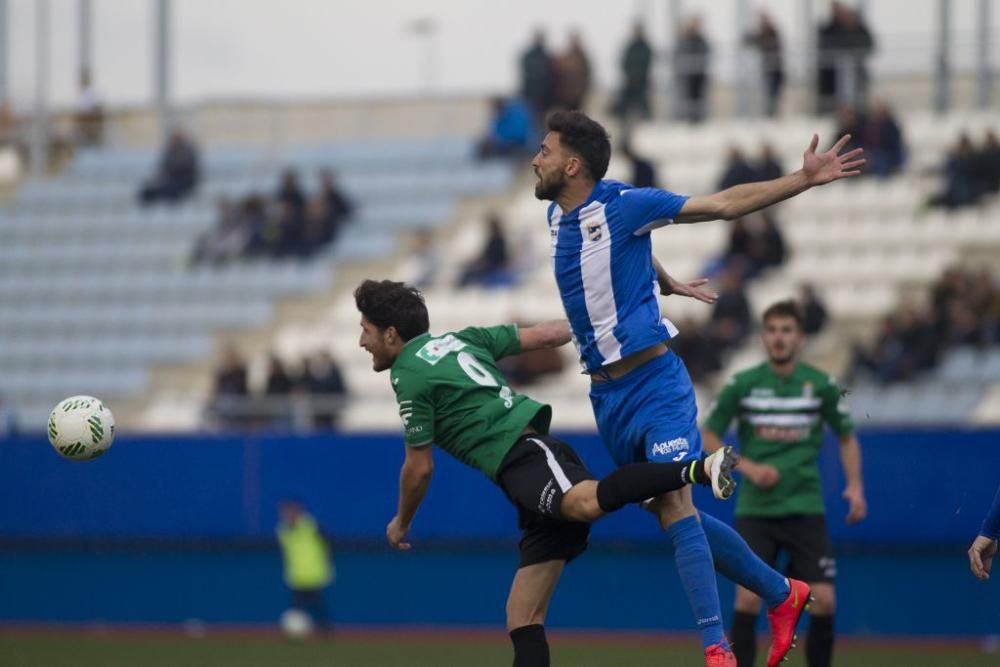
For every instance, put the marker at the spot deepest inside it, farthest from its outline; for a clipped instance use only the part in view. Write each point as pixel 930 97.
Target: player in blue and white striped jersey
pixel 642 396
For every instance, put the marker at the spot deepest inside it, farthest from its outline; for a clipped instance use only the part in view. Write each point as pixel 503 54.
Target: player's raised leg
pixel 527 604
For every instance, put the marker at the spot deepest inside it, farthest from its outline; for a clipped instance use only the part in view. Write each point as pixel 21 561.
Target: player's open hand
pixel 857 506
pixel 395 532
pixel 694 289
pixel 821 168
pixel 981 557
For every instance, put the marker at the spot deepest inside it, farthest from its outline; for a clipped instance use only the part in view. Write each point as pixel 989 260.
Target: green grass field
pixel 54 649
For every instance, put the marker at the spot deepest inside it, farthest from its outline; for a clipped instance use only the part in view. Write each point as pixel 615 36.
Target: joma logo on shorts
pixel 670 446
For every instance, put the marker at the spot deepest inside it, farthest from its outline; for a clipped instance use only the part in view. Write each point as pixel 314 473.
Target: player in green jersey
pixel 451 393
pixel 780 407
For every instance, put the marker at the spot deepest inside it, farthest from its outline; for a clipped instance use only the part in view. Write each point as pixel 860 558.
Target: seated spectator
pixel 290 192
pixel 813 310
pixel 89 119
pixel 422 263
pixel 756 242
pixel 882 140
pixel 227 241
pixel 325 381
pixel 229 394
pixel 907 344
pixel 490 268
pixel 701 356
pixel 731 320
pixel 737 170
pixel 318 227
pixel 511 132
pixel 339 206
pixel 963 180
pixel 768 166
pixel 987 166
pixel 643 170
pixel 177 173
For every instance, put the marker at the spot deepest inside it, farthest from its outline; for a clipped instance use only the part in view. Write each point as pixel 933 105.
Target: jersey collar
pixel 416 340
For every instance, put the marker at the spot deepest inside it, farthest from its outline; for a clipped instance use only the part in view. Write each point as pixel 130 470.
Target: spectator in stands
pixel 511 132
pixel 227 240
pixel 339 205
pixel 691 56
pixel 813 310
pixel 767 41
pixel 572 75
pixel 423 262
pixel 528 368
pixel 325 382
pixel 731 319
pixel 990 162
pixel 844 46
pixel 963 178
pixel 738 170
pixel 907 344
pixel 290 192
pixel 89 118
pixel 643 170
pixel 176 174
pixel 768 165
pixel 537 78
pixel 318 227
pixel 882 139
pixel 701 356
pixel 636 63
pixel 230 389
pixel 490 268
pixel 280 381
pixel 756 243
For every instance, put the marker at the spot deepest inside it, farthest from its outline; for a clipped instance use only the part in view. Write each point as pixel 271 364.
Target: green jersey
pixel 780 422
pixel 451 392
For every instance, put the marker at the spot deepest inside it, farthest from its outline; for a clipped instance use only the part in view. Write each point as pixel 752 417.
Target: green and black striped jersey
pixel 450 392
pixel 780 422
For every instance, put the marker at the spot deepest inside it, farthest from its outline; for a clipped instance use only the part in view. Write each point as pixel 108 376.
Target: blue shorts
pixel 649 414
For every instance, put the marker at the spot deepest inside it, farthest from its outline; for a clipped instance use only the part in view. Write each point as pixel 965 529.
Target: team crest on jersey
pixel 595 232
pixel 807 389
pixel 435 350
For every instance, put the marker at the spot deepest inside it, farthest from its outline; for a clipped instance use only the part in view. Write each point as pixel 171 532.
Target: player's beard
pixel 547 189
pixel 781 356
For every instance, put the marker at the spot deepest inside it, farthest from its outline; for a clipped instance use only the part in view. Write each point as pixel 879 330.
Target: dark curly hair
pixel 585 137
pixel 386 303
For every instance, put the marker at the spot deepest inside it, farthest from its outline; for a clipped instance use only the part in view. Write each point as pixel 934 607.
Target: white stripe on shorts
pixel 557 472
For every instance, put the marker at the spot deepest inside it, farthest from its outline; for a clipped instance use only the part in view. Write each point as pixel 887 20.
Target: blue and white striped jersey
pixel 603 261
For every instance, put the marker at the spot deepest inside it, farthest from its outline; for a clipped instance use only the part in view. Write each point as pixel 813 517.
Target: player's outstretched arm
pixel 739 200
pixel 984 548
pixel 553 333
pixel 414 478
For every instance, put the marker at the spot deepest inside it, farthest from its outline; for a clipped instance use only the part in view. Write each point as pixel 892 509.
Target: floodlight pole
pixel 86 44
pixel 984 89
pixel 39 144
pixel 161 66
pixel 3 52
pixel 942 74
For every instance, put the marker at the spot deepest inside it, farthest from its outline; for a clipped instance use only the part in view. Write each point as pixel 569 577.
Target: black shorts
pixel 802 536
pixel 534 475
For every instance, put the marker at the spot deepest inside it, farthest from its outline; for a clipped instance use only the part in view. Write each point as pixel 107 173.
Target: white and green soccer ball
pixel 81 428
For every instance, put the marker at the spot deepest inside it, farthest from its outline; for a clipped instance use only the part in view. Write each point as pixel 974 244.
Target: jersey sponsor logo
pixel 807 389
pixel 671 447
pixel 781 433
pixel 435 350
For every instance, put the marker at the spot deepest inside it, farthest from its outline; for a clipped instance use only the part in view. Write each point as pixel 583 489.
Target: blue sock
pixel 737 562
pixel 694 565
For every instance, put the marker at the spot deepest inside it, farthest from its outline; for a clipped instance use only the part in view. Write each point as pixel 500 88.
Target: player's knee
pixel 520 615
pixel 824 602
pixel 580 503
pixel 746 602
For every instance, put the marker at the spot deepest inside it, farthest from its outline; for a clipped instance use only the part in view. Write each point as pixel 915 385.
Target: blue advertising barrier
pixel 156 531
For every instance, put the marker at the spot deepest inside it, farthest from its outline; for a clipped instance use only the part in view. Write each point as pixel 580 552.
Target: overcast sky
pixel 325 48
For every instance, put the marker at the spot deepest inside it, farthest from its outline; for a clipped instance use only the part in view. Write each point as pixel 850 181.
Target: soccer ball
pixel 81 428
pixel 296 624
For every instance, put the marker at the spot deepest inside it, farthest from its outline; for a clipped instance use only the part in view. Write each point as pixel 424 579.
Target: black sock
pixel 531 649
pixel 744 635
pixel 636 482
pixel 819 643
